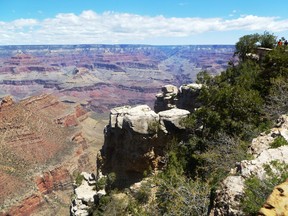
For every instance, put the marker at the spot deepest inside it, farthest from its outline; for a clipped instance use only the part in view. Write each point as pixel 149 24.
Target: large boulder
pixel 140 118
pixel 187 97
pixel 171 119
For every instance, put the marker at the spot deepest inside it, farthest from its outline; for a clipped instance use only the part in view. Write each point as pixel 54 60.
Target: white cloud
pixel 111 27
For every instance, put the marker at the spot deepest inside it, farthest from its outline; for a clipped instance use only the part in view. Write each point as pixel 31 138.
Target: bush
pixel 183 196
pixel 79 178
pixel 279 141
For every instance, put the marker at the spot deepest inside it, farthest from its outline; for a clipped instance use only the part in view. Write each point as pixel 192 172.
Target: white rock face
pixel 193 86
pixel 139 118
pixel 171 89
pixel 255 167
pixel 263 141
pixel 84 194
pixel 117 115
pixel 173 117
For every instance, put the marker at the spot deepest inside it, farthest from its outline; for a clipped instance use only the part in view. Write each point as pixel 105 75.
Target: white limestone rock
pixel 191 86
pixel 85 192
pixel 171 89
pixel 255 167
pixel 139 119
pixel 170 119
pixel 117 115
pixel 84 196
pixel 263 141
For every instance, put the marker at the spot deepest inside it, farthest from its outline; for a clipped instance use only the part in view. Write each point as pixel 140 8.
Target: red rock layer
pixel 57 179
pixel 31 141
pixel 27 206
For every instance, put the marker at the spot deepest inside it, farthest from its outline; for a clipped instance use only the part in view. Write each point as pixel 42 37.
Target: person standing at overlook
pixel 279 43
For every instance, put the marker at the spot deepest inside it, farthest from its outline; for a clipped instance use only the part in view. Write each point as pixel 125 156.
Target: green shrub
pixel 143 194
pixel 279 141
pixel 154 127
pixel 101 183
pixel 78 180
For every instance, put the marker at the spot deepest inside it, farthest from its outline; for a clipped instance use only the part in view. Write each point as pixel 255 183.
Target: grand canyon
pixel 55 104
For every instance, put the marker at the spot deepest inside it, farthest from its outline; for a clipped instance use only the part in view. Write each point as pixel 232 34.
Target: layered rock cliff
pixel 42 143
pixel 97 74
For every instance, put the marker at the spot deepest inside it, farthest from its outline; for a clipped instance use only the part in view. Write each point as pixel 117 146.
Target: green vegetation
pixel 235 107
pixel 249 43
pixel 154 126
pixel 279 141
pixel 78 178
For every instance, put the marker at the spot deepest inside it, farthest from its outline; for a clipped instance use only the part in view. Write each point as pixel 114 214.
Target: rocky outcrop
pixel 231 191
pixel 6 101
pixel 187 98
pixel 265 139
pixel 183 98
pixel 135 140
pixel 85 195
pixel 276 203
pixel 166 99
pixel 227 201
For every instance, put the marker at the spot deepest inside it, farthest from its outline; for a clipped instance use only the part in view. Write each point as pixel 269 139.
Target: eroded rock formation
pixel 85 195
pixel 183 98
pixel 135 140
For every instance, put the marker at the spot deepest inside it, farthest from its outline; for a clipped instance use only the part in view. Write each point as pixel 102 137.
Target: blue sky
pixel 138 21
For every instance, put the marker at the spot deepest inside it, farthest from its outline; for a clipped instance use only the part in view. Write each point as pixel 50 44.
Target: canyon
pixel 104 76
pixel 55 102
